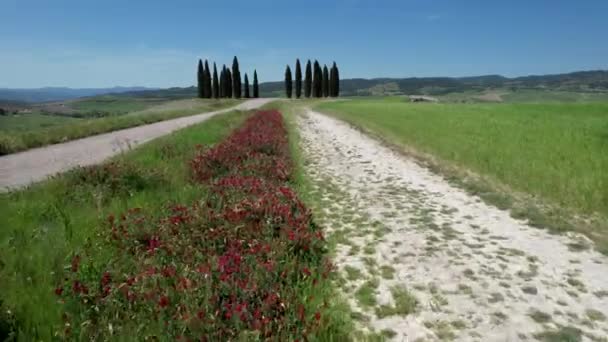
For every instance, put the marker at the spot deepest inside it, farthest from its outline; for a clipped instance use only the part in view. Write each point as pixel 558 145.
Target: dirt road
pixel 422 259
pixel 20 169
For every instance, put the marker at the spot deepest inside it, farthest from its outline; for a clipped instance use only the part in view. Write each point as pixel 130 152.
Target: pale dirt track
pixel 477 273
pixel 20 169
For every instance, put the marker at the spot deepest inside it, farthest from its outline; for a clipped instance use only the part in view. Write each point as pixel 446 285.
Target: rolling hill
pixel 58 93
pixel 582 81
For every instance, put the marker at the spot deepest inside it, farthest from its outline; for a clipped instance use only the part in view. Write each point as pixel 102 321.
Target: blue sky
pixel 102 43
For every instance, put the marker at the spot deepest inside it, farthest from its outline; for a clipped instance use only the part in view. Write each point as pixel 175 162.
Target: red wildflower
pixel 168 271
pixel 75 263
pixel 106 279
pixel 79 288
pixel 163 302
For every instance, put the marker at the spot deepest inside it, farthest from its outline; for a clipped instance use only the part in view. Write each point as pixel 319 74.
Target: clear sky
pixel 102 43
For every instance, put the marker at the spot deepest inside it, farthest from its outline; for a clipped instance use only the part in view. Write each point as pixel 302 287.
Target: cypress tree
pixel 228 83
pixel 298 79
pixel 199 79
pixel 223 82
pixel 236 78
pixel 246 86
pixel 317 82
pixel 308 80
pixel 288 82
pixel 204 79
pixel 325 81
pixel 207 80
pixel 256 90
pixel 336 80
pixel 319 74
pixel 331 81
pixel 216 84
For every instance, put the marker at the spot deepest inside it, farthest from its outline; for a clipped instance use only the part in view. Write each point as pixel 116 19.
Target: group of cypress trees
pixel 227 85
pixel 317 82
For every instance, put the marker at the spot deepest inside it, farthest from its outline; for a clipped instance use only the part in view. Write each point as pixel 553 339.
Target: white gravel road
pixel 23 168
pixel 476 273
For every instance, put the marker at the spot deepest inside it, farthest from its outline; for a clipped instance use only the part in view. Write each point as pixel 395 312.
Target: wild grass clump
pixel 116 178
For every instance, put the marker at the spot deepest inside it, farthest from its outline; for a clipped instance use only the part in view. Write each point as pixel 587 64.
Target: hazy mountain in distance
pixel 49 94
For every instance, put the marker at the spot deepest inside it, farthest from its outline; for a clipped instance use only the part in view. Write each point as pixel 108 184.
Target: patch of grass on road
pixel 555 152
pixel 36 136
pixel 43 226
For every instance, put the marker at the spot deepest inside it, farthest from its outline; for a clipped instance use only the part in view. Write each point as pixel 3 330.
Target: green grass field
pixel 556 152
pixel 115 104
pixel 27 122
pixel 45 224
pixel 524 96
pixel 33 134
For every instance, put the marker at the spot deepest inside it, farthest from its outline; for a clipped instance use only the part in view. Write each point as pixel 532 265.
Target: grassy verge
pixel 47 224
pixel 339 325
pixel 14 141
pixel 544 162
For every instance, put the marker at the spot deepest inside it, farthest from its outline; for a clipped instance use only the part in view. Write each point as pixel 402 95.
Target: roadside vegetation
pixel 49 223
pixel 168 241
pixel 27 131
pixel 552 152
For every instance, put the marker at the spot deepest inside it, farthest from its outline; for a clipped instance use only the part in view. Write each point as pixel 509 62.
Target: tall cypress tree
pixel 208 92
pixel 308 80
pixel 256 90
pixel 204 82
pixel 223 88
pixel 331 81
pixel 228 83
pixel 317 82
pixel 325 81
pixel 199 79
pixel 288 82
pixel 216 84
pixel 298 79
pixel 236 78
pixel 335 81
pixel 246 86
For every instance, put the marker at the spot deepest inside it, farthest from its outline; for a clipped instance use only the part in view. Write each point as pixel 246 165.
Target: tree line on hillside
pixel 317 82
pixel 225 85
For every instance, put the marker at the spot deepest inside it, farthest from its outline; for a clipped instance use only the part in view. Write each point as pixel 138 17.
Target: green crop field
pixel 32 133
pixel 556 152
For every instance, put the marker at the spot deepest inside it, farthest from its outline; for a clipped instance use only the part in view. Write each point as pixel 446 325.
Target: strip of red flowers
pixel 243 262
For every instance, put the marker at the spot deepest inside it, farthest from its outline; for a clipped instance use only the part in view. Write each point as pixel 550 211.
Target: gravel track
pixel 20 169
pixel 476 273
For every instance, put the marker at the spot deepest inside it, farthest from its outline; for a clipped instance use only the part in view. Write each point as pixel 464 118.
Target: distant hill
pixel 58 93
pixel 582 81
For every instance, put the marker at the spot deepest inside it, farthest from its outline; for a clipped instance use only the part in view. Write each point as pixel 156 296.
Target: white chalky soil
pixel 477 273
